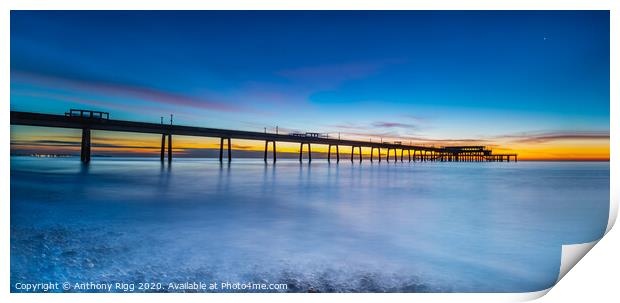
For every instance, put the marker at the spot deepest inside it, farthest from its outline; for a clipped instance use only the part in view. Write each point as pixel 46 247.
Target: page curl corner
pixel 571 254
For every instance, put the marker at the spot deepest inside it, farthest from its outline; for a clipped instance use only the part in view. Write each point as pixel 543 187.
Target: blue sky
pixel 427 75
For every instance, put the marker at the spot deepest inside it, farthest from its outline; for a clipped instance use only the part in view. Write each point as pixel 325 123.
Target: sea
pixel 312 227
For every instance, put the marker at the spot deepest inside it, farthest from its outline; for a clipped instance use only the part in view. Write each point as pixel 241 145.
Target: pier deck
pixel 423 153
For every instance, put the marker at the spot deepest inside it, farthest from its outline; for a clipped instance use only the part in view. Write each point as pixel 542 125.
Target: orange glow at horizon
pixel 112 143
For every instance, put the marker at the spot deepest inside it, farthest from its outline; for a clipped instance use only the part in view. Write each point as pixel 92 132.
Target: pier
pixel 93 120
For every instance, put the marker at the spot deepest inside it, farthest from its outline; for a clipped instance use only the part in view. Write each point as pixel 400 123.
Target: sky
pixel 534 83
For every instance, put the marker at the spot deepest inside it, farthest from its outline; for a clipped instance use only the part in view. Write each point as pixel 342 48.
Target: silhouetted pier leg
pixel 372 151
pixel 229 150
pixel 352 153
pixel 169 147
pixel 163 147
pixel 515 158
pixel 402 152
pixel 329 153
pixel 221 148
pixel 360 151
pixel 388 156
pixel 359 148
pixel 337 154
pixel 267 150
pixel 409 154
pixel 85 151
pixel 301 152
pixel 379 154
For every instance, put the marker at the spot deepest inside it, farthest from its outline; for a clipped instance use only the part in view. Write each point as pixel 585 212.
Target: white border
pixel 7 5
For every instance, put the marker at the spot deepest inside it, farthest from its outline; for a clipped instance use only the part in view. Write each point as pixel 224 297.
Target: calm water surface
pixel 423 227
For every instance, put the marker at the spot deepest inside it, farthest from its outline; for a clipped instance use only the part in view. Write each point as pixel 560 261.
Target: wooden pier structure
pixel 92 120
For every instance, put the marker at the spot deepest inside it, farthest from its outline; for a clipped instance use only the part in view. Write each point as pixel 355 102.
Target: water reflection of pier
pixel 91 120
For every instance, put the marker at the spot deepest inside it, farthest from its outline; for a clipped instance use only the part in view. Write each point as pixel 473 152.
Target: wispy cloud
pixel 107 87
pixel 384 124
pixel 373 126
pixel 88 101
pixel 348 126
pixel 554 136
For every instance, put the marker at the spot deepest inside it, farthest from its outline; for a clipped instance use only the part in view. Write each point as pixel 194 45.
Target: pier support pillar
pixel 229 155
pixel 372 151
pixel 222 149
pixel 169 147
pixel 395 155
pixel 85 151
pixel 352 153
pixel 360 151
pixel 329 153
pixel 163 147
pixel 301 152
pixel 337 154
pixel 273 151
pixel 359 148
